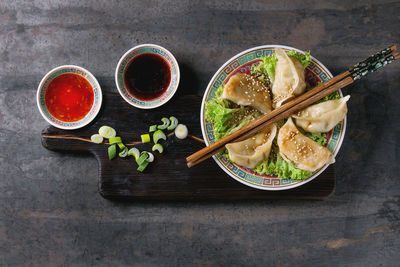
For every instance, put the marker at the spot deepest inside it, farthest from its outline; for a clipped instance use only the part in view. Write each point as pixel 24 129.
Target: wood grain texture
pixel 168 177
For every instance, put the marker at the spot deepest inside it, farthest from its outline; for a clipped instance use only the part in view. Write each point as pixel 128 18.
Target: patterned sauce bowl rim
pixel 172 87
pixel 94 110
pixel 215 157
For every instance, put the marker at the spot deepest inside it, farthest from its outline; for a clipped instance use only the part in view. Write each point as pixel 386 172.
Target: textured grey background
pixel 50 211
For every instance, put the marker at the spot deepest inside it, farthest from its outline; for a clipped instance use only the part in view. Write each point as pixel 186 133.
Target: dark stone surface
pixel 50 211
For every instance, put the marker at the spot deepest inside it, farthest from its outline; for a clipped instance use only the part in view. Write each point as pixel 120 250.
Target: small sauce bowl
pixel 129 58
pixel 86 117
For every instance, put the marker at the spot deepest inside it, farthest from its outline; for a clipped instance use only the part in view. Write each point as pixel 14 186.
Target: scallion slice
pixel 121 146
pixel 153 128
pixel 158 147
pixel 143 166
pixel 134 152
pixel 158 135
pixel 151 157
pixel 123 153
pixel 112 151
pixel 145 138
pixel 96 138
pixel 115 140
pixel 107 132
pixel 174 123
pixel 164 125
pixel 181 131
pixel 143 156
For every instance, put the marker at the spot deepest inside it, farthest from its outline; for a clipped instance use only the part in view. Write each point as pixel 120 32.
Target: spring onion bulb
pixel 96 138
pixel 164 125
pixel 181 131
pixel 174 123
pixel 158 135
pixel 107 132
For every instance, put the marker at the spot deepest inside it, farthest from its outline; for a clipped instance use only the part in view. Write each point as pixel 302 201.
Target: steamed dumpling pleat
pixel 322 117
pixel 250 152
pixel 289 78
pixel 300 150
pixel 246 90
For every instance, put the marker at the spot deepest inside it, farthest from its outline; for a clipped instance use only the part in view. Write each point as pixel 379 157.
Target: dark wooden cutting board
pixel 168 177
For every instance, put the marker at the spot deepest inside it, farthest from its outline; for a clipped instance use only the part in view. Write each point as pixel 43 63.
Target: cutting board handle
pixel 59 140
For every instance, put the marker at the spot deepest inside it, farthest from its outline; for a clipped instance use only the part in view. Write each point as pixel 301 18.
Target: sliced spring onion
pixel 123 153
pixel 143 157
pixel 121 146
pixel 153 128
pixel 158 135
pixel 157 147
pixel 181 131
pixel 115 140
pixel 107 132
pixel 151 157
pixel 96 138
pixel 174 123
pixel 145 138
pixel 164 125
pixel 134 152
pixel 112 151
pixel 143 166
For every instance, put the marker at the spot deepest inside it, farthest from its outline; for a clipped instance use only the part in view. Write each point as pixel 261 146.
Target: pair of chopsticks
pixel 369 65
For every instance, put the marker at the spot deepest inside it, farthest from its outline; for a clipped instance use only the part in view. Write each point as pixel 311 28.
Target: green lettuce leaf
pixel 265 69
pixel 304 59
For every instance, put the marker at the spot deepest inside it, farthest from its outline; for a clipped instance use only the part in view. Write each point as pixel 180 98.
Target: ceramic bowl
pixel 128 57
pixel 315 73
pixel 51 75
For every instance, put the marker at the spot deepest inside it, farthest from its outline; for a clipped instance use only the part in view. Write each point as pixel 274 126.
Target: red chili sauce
pixel 69 97
pixel 147 76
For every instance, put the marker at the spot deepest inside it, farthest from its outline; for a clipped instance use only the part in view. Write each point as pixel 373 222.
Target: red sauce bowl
pixel 69 97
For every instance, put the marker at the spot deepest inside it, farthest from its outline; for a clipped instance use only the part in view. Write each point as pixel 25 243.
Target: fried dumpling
pixel 322 117
pixel 289 78
pixel 300 150
pixel 253 150
pixel 246 90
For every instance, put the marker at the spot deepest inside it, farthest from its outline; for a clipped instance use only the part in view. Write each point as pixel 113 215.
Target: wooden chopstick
pixel 356 72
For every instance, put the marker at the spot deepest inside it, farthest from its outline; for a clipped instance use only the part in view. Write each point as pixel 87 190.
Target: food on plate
pixel 69 97
pixel 246 90
pixel 289 78
pixel 282 75
pixel 322 117
pixel 253 150
pixel 300 150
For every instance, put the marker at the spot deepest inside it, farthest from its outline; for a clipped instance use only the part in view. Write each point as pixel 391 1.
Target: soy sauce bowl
pixel 124 85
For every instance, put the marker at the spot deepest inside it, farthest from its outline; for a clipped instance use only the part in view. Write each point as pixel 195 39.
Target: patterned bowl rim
pixel 174 89
pixel 207 143
pixel 79 124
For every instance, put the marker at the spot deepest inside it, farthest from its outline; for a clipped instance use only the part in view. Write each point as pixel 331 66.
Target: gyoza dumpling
pixel 300 150
pixel 246 90
pixel 322 117
pixel 253 150
pixel 289 78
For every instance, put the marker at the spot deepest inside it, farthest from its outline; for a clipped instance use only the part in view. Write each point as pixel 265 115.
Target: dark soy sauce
pixel 147 76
